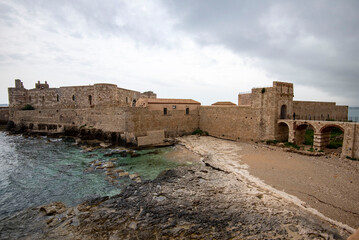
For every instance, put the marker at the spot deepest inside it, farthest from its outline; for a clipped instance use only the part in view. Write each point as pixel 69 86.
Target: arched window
pixel 134 103
pixel 283 112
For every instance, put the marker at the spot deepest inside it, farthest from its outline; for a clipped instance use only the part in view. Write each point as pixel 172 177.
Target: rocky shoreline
pixel 201 201
pixel 196 202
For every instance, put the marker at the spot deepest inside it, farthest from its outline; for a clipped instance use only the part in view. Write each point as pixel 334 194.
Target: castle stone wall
pixel 244 99
pixel 231 122
pixel 175 123
pixel 307 110
pixel 98 95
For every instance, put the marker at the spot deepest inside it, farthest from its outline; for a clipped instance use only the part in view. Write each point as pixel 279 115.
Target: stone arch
pixel 304 134
pixel 331 136
pixel 282 132
pixel 283 111
pixel 134 103
pixel 325 127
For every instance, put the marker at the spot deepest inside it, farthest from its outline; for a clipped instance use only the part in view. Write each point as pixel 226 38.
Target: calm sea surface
pixel 353 113
pixel 38 171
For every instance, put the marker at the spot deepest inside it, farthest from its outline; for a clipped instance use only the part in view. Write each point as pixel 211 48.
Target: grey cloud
pixel 99 18
pixel 306 42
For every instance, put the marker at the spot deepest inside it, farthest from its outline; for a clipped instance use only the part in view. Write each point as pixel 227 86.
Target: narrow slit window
pixel 164 111
pixel 187 111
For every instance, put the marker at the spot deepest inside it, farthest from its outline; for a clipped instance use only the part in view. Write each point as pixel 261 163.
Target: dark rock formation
pixel 185 203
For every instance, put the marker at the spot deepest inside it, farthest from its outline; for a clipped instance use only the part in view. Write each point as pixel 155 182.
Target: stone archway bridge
pixel 296 132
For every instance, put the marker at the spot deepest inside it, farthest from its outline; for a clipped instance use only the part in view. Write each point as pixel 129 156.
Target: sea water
pixel 353 114
pixel 36 171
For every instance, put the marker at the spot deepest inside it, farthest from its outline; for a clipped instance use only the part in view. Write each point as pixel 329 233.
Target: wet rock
pixel 159 198
pixel 122 153
pixel 105 145
pixel 123 174
pixel 108 165
pixel 134 154
pixel 53 208
pixel 134 175
pixel 97 163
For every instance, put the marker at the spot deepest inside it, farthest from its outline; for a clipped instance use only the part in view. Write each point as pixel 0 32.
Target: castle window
pixel 164 111
pixel 283 112
pixel 57 97
pixel 187 111
pixel 73 98
pixel 173 106
pixel 126 99
pixel 90 99
pixel 134 103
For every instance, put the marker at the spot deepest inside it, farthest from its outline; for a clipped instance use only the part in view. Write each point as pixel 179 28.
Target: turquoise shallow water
pixel 38 171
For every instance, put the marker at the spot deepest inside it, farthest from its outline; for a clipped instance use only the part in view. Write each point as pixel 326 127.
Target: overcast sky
pixel 207 50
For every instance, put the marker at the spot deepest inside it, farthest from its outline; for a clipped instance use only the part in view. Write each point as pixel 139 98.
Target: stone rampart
pixel 174 123
pixel 137 121
pixel 307 110
pixel 231 122
pixel 98 95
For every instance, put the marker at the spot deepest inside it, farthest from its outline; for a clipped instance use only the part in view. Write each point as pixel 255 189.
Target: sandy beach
pixel 327 183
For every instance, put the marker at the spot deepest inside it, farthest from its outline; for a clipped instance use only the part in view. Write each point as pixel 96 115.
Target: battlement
pixel 39 85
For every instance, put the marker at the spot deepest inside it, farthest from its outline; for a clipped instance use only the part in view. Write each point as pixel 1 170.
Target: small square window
pixel 173 106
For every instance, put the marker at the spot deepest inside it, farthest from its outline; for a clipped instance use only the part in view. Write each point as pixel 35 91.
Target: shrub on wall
pixel 28 107
pixel 200 132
